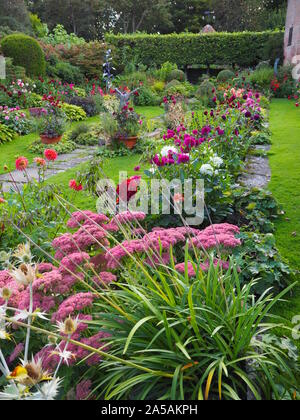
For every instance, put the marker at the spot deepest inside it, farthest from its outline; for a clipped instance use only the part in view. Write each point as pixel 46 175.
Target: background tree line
pixel 92 18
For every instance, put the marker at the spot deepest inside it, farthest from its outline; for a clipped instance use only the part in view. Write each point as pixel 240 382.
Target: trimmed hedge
pixel 244 49
pixel 26 52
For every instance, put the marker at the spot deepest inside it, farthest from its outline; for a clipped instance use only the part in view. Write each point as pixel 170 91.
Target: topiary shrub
pixel 176 75
pixel 225 75
pixel 26 52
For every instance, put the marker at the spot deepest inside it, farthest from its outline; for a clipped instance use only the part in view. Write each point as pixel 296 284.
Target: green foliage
pixel 262 78
pixel 64 146
pixel 260 138
pixel 68 73
pixel 256 208
pixel 88 104
pixel 26 52
pixel 187 49
pixel 172 84
pixel 261 259
pixel 74 113
pixel 166 69
pixel 173 88
pixel 84 135
pixel 40 29
pixel 205 93
pixel 176 75
pixel 225 75
pixel 14 72
pixel 6 134
pixel 60 36
pixel 147 97
pixel 190 339
pixel 34 100
pixel 158 87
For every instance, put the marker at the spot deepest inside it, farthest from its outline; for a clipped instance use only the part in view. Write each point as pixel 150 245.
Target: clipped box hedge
pixel 242 48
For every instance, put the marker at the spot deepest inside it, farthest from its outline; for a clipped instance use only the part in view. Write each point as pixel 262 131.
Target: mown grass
pixel 285 185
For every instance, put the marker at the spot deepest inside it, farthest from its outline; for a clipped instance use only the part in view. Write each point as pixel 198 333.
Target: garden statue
pixel 108 67
pixel 124 96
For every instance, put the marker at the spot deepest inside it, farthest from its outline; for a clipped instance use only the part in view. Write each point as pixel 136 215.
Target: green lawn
pixel 285 185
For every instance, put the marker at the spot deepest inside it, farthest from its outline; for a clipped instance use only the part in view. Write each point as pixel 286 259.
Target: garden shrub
pixel 34 100
pixel 262 78
pixel 166 69
pixel 225 75
pixel 83 135
pixel 6 134
pixel 158 87
pixel 205 93
pixel 189 49
pixel 283 85
pixel 89 57
pixel 88 104
pixel 68 73
pixel 26 52
pixel 176 75
pixel 146 97
pixel 73 112
pixel 176 89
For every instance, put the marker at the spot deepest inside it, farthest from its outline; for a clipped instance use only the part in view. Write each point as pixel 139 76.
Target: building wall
pixel 292 24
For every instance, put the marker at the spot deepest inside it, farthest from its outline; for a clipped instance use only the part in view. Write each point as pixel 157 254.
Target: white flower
pixel 22 315
pixel 12 392
pixel 65 355
pixel 217 161
pixel 48 391
pixel 206 170
pixel 165 151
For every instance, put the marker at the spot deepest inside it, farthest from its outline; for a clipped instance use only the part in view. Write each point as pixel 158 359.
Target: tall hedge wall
pixel 244 49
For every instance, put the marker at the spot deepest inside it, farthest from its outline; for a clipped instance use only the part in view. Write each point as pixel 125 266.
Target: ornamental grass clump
pixel 204 338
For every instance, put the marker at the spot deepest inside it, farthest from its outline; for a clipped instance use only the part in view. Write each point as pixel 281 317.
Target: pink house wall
pixel 292 21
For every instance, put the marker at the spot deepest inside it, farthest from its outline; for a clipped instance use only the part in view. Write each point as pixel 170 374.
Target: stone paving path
pixel 62 164
pixel 258 171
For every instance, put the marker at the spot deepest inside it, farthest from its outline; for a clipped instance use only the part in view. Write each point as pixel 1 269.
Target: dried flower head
pixel 29 374
pixel 68 327
pixel 25 274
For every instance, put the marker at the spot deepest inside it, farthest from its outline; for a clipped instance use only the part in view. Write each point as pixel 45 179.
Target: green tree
pixel 189 14
pixel 143 15
pixel 14 14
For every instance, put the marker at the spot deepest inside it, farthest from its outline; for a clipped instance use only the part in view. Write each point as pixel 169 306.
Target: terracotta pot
pixel 130 142
pixel 50 140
